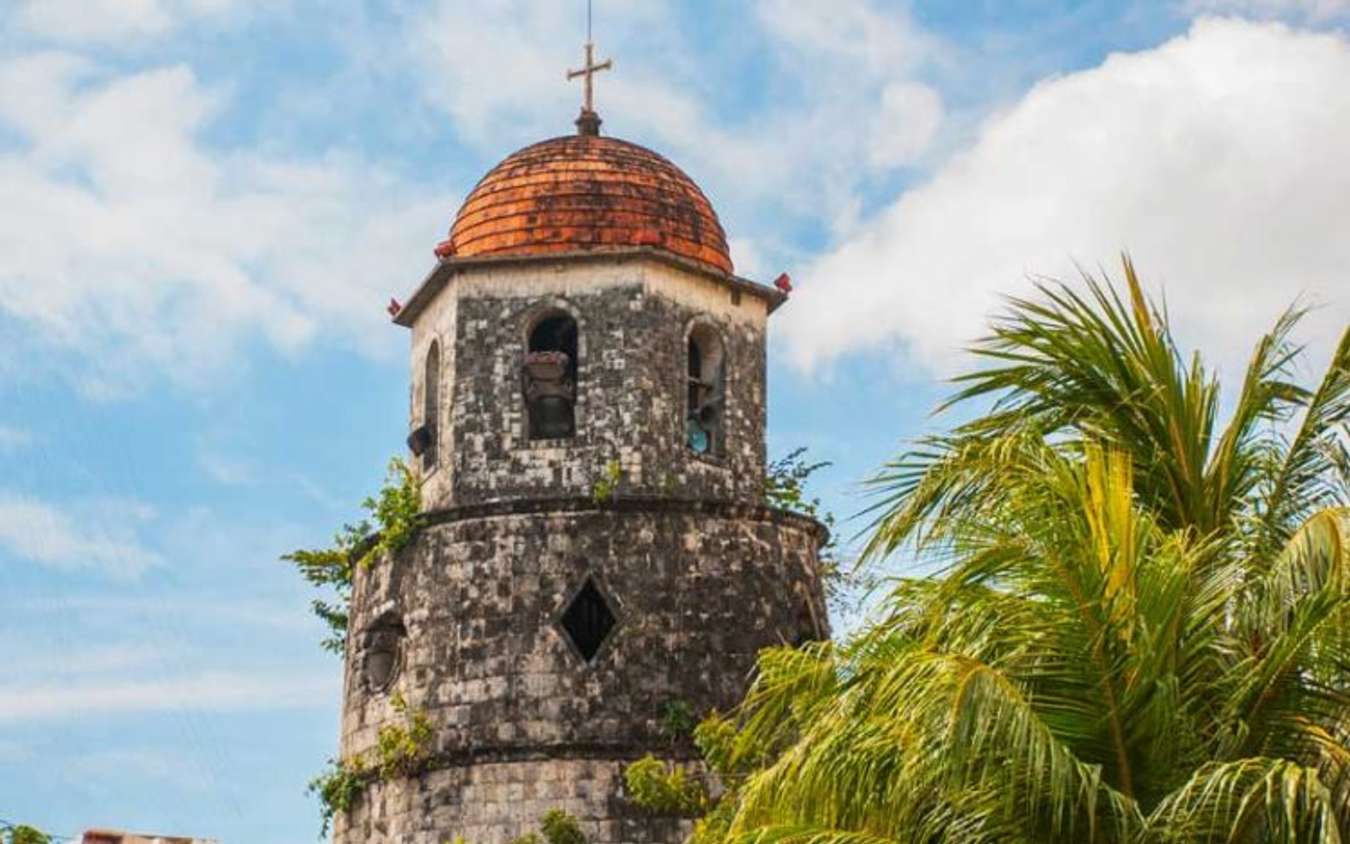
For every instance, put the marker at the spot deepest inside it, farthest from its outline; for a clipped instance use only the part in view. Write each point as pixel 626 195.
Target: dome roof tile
pixel 585 192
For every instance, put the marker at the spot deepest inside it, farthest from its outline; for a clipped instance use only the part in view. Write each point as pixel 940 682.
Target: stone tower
pixel 588 393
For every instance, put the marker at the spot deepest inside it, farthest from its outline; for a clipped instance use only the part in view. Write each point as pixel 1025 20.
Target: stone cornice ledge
pixel 446 268
pixel 682 752
pixel 628 504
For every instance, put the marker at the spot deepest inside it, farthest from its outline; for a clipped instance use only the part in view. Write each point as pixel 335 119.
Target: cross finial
pixel 589 122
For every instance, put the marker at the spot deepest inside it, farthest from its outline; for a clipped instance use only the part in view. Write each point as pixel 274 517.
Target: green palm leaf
pixel 1140 628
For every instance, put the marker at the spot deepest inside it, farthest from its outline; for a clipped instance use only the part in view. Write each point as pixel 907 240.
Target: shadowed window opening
pixel 550 378
pixel 706 398
pixel 588 620
pixel 431 405
pixel 809 626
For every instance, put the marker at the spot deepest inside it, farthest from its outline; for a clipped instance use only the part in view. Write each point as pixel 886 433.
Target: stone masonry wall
pixel 495 801
pixel 634 318
pixel 698 587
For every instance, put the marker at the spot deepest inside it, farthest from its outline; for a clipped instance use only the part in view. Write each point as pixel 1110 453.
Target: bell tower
pixel 587 414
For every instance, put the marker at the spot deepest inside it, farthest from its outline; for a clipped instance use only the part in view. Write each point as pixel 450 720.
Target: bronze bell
pixel 551 417
pixel 421 439
pixel 550 394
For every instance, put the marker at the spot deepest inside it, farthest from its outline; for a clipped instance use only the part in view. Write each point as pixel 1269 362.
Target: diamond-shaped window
pixel 588 620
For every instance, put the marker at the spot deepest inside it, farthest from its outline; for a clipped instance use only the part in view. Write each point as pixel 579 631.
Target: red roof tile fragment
pixel 583 192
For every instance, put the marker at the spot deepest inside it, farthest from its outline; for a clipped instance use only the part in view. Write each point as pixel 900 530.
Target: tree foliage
pixel 23 834
pixel 401 750
pixel 1141 628
pixel 559 827
pixel 555 827
pixel 390 527
pixel 786 482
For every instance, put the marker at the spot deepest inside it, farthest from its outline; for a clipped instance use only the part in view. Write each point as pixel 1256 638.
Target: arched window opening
pixel 706 400
pixel 431 406
pixel 550 378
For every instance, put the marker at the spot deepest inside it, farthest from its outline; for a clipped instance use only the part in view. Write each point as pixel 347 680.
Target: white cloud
pixel 102 535
pixel 881 42
pixel 13 439
pixel 749 257
pixel 206 691
pixel 35 660
pixel 1310 10
pixel 113 20
pixel 12 752
pixel 848 102
pixel 226 470
pixel 904 124
pixel 152 763
pixel 129 243
pixel 132 248
pixel 1217 159
pixel 232 614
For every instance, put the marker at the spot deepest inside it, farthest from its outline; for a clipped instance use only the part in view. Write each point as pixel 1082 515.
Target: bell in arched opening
pixel 707 392
pixel 550 378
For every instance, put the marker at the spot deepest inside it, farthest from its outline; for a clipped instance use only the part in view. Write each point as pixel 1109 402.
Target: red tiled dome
pixel 586 192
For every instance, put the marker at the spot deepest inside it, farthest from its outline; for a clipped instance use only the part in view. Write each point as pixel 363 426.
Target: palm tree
pixel 1141 628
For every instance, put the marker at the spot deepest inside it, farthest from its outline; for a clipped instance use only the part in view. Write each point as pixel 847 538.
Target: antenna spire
pixel 588 123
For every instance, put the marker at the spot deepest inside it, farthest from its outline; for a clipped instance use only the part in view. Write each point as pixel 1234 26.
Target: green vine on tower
pixel 709 798
pixel 400 750
pixel 392 524
pixel 785 487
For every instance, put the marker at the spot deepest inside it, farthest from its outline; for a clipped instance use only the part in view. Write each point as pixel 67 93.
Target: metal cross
pixel 589 71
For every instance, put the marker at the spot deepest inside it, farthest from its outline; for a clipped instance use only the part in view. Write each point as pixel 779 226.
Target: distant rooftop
pixel 108 836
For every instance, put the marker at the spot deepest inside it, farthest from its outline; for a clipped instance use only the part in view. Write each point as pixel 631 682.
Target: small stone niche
pixel 382 653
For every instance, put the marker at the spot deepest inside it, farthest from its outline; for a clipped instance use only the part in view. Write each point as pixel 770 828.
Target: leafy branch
pixel 391 525
pixel 785 487
pixel 400 750
pixel 672 789
pixel 602 490
pixel 22 834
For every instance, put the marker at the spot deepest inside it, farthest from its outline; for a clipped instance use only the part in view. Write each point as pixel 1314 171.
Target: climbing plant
pixel 665 788
pixel 677 719
pixel 602 490
pixel 785 487
pixel 338 788
pixel 390 526
pixel 401 749
pixel 673 789
pixel 785 482
pixel 559 827
pixel 556 827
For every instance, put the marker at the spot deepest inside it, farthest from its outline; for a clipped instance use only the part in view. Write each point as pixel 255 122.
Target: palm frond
pixel 1252 799
pixel 1304 478
pixel 1140 626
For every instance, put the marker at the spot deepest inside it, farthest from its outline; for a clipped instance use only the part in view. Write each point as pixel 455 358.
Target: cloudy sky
pixel 206 204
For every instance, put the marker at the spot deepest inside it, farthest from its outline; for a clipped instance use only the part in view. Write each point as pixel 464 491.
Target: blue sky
pixel 208 203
